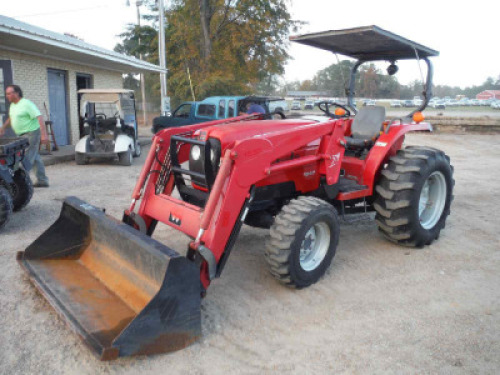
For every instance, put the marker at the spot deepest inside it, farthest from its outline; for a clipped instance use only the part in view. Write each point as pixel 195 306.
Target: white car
pixel 439 104
pixel 495 104
pixel 279 107
pixel 309 104
pixel 296 105
pixel 396 104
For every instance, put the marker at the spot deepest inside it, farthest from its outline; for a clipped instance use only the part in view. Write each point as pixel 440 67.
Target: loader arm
pixel 215 227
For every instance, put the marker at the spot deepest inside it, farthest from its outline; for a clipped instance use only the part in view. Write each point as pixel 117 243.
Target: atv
pixel 109 126
pixel 16 188
pixel 127 294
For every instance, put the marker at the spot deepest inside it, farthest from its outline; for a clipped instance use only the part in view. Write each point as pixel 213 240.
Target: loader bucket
pixel 121 291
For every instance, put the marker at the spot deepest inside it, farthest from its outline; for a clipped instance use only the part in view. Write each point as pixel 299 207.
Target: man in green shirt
pixel 27 121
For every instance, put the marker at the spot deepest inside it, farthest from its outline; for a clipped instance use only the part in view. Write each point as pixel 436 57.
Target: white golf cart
pixel 109 126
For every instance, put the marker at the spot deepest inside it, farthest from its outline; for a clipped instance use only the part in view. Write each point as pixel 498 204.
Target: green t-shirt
pixel 24 116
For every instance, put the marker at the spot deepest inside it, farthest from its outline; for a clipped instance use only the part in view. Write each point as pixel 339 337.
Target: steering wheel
pixel 101 116
pixel 325 107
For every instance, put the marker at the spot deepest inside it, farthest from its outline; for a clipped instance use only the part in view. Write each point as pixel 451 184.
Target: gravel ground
pixel 380 309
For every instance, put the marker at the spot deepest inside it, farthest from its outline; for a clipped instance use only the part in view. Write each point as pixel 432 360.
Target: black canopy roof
pixel 366 43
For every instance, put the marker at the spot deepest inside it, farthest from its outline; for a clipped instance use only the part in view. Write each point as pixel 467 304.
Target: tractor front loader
pixel 127 294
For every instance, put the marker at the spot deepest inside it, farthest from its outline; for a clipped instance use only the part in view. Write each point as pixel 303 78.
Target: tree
pixel 334 78
pixel 230 46
pixel 368 81
pixel 149 50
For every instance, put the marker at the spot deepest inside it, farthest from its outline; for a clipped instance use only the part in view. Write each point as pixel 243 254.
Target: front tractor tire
pixel 302 241
pixel 414 195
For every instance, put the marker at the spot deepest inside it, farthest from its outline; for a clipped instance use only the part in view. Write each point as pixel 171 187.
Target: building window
pixel 3 104
pixel 5 80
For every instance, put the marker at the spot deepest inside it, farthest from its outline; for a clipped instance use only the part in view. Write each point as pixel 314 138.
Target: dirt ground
pixel 380 309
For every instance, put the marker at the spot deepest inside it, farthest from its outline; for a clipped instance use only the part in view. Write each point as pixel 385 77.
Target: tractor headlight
pixel 195 152
pixel 197 162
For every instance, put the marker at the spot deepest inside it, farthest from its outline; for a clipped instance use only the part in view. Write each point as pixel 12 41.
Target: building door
pixel 58 107
pixel 5 80
pixel 83 81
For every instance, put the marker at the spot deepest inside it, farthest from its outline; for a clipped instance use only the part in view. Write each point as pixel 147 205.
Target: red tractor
pixel 128 294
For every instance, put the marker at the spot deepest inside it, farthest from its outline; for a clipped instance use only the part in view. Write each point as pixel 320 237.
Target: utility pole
pixel 143 87
pixel 165 100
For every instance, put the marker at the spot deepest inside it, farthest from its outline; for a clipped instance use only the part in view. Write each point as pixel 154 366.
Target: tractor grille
pixel 194 184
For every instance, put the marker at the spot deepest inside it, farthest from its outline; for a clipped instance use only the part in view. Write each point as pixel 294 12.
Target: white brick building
pixel 50 68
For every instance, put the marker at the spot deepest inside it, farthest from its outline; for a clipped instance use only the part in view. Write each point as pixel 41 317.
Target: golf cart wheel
pixel 278 116
pixel 137 151
pixel 414 195
pixel 80 158
pixel 125 158
pixel 302 241
pixel 22 189
pixel 6 206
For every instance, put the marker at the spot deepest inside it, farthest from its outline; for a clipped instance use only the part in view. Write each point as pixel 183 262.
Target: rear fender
pixel 5 175
pixel 123 143
pixel 385 147
pixel 81 146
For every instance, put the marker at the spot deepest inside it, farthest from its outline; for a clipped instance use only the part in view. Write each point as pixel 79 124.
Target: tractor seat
pixel 365 127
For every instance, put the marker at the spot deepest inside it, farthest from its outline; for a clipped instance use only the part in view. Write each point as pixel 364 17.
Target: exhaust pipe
pixel 123 292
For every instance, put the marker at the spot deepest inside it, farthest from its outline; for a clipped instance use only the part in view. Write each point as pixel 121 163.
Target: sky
pixel 465 34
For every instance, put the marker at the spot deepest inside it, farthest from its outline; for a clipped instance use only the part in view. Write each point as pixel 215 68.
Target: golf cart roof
pixel 105 95
pixel 105 91
pixel 367 43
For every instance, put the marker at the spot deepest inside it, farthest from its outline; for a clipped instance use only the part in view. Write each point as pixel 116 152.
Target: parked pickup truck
pixel 218 107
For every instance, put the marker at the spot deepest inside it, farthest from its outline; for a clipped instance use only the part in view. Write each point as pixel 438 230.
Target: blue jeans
pixel 34 157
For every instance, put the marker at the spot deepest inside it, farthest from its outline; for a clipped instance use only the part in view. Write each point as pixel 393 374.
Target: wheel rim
pixel 432 200
pixel 314 246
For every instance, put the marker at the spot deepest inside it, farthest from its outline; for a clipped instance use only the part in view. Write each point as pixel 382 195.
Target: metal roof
pixel 366 43
pixel 25 38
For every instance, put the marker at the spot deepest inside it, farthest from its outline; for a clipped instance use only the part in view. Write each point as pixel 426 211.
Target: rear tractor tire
pixel 22 190
pixel 413 196
pixel 302 241
pixel 6 206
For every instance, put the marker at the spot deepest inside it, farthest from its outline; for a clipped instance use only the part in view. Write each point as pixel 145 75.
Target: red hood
pixel 229 133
